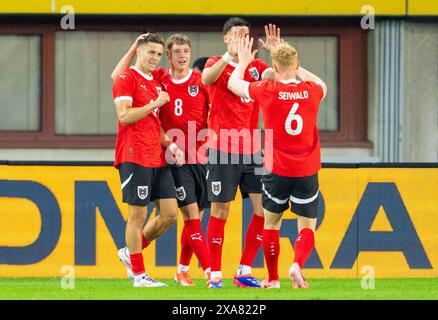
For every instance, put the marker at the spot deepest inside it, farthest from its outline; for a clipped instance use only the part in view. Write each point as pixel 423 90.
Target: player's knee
pixel 170 220
pixel 135 221
pixel 220 214
pixel 220 209
pixel 136 218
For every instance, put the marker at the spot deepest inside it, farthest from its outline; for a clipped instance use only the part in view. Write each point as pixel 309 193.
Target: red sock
pixel 271 249
pixel 215 235
pixel 253 240
pixel 304 246
pixel 186 249
pixel 144 242
pixel 197 242
pixel 137 263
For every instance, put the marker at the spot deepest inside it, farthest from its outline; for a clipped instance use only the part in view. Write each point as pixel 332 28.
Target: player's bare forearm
pixel 128 115
pixel 124 63
pixel 236 83
pixel 306 75
pixel 210 75
pixel 165 140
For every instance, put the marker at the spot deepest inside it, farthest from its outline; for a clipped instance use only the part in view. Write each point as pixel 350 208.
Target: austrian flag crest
pixel 142 192
pixel 180 193
pixel 194 90
pixel 216 187
pixel 255 73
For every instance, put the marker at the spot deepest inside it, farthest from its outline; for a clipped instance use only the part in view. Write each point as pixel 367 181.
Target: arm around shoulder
pixel 306 75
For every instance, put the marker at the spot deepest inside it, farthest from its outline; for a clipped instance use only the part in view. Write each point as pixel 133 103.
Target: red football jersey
pixel 229 111
pixel 187 111
pixel 290 110
pixel 138 142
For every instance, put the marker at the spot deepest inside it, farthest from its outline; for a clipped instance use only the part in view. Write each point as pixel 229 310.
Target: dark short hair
pixel 200 63
pixel 235 22
pixel 151 37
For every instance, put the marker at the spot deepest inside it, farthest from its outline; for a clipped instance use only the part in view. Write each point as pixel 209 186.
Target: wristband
pixel 227 57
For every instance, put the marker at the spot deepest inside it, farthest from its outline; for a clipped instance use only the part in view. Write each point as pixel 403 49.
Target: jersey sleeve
pixel 256 90
pixel 159 73
pixel 263 68
pixel 123 88
pixel 211 61
pixel 316 91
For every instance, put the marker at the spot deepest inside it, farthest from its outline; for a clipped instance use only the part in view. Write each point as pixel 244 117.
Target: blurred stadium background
pixel 378 125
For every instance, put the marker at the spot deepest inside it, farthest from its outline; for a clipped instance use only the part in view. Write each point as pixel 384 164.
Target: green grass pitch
pixel 116 289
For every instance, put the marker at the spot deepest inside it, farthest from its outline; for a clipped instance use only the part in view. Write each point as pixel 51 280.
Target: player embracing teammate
pixel 183 117
pixel 237 86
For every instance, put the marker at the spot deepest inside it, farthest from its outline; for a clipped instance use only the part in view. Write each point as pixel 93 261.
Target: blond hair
pixel 178 39
pixel 285 56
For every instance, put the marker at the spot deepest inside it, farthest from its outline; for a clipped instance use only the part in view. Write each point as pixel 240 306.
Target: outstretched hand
pixel 272 37
pixel 244 50
pixel 235 37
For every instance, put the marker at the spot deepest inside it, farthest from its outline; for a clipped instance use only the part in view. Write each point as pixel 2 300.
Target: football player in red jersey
pixel 234 151
pixel 140 158
pixel 184 119
pixel 290 109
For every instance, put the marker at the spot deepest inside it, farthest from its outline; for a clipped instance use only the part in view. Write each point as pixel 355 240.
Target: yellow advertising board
pixel 203 7
pixel 422 8
pixel 380 219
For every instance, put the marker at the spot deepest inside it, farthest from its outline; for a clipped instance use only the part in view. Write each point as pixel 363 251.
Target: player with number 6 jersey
pixel 296 103
pixel 290 109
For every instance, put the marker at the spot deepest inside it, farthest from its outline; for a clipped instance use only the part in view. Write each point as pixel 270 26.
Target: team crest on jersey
pixel 180 193
pixel 142 192
pixel 216 187
pixel 255 73
pixel 194 90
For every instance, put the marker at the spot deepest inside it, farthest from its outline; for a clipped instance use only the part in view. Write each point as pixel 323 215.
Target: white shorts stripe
pixel 127 181
pixel 304 201
pixel 276 200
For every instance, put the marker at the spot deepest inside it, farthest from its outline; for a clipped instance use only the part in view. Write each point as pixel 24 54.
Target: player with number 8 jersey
pixel 184 120
pixel 187 111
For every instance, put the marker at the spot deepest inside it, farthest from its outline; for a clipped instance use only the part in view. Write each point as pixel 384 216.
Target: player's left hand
pixel 244 50
pixel 272 37
pixel 178 154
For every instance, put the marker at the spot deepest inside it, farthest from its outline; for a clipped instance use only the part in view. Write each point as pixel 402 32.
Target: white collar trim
pixel 147 77
pixel 290 81
pixel 180 81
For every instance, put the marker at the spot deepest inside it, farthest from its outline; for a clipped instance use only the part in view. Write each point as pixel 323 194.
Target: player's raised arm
pixel 211 74
pixel 236 83
pixel 128 115
pixel 306 75
pixel 126 60
pixel 273 39
pixel 272 33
